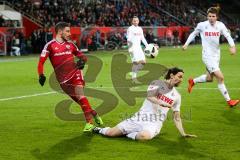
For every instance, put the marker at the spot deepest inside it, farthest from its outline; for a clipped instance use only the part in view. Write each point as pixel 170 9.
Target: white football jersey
pixel 210 36
pixel 135 36
pixel 171 97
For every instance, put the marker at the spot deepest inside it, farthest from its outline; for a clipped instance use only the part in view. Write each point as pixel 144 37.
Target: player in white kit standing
pixel 210 32
pixel 134 37
pixel 148 121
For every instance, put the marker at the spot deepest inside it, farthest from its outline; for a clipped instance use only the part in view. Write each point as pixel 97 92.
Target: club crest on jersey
pixel 68 46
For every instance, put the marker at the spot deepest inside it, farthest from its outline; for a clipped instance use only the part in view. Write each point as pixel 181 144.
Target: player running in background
pixel 134 38
pixel 61 52
pixel 210 32
pixel 148 121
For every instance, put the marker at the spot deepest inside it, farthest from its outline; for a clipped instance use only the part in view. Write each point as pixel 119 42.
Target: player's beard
pixel 177 84
pixel 66 38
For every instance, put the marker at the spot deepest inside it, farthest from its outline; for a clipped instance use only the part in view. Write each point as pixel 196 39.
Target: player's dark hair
pixel 61 26
pixel 213 10
pixel 173 71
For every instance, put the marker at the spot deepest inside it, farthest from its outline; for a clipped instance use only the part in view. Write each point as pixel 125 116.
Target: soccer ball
pixel 151 50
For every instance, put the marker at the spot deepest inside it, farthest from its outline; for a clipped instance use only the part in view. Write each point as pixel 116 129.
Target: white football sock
pixel 223 90
pixel 134 75
pixel 200 79
pixel 132 135
pixel 140 66
pixel 104 130
pixel 135 69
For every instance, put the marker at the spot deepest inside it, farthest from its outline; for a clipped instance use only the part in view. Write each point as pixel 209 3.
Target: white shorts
pixel 129 126
pixel 211 63
pixel 137 55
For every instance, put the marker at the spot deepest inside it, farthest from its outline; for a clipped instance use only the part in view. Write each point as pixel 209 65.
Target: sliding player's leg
pixel 143 135
pixel 107 131
pixel 116 132
pixel 126 127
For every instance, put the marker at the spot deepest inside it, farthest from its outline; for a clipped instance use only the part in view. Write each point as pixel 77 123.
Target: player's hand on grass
pixel 189 136
pixel 233 50
pixel 184 47
pixel 42 79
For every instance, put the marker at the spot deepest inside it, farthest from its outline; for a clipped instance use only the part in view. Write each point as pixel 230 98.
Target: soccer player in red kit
pixel 61 52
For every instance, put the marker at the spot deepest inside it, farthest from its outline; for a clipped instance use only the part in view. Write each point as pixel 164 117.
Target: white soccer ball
pixel 151 50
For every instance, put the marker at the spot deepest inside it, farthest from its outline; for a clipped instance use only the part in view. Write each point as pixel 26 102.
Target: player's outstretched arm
pixel 192 36
pixel 178 123
pixel 144 40
pixel 190 39
pixel 227 35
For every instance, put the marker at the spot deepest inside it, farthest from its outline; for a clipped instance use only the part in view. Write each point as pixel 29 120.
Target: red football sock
pixel 85 101
pixel 94 113
pixel 86 109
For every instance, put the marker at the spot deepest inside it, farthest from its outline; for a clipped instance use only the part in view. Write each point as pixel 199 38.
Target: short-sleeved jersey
pixel 210 35
pixel 165 96
pixel 61 56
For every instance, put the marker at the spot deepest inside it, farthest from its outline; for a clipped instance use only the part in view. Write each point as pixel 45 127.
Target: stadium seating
pixel 115 12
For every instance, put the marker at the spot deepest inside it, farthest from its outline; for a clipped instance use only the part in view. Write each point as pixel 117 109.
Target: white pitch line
pixel 211 88
pixel 53 92
pixel 18 60
pixel 27 96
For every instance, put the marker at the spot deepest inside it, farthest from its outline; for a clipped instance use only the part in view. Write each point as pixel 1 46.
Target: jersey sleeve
pixel 78 53
pixel 196 31
pixel 43 57
pixel 177 104
pixel 143 38
pixel 226 33
pixel 129 35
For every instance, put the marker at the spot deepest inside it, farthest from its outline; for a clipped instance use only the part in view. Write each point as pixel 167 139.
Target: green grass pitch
pixel 31 130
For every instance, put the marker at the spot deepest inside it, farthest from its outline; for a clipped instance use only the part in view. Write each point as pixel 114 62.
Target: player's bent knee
pixel 113 132
pixel 144 135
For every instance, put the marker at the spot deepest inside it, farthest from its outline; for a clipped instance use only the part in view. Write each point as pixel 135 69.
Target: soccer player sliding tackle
pixel 210 32
pixel 148 121
pixel 61 52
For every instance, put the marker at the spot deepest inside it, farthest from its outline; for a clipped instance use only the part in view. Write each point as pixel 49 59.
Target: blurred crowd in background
pixel 100 13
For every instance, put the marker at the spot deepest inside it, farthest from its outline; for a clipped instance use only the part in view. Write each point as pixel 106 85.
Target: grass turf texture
pixel 31 130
